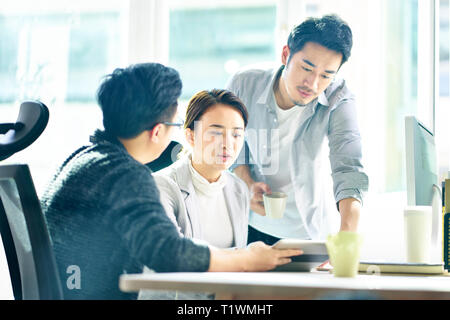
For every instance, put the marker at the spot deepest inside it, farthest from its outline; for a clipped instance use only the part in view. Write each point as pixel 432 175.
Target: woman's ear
pixel 189 136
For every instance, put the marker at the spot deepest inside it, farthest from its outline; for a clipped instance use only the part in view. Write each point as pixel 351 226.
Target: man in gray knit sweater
pixel 102 206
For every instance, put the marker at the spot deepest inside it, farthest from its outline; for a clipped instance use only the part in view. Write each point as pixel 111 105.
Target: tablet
pixel 314 254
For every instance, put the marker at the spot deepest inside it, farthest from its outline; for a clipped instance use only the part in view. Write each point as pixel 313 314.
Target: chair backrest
pixel 31 122
pixel 25 237
pixel 167 157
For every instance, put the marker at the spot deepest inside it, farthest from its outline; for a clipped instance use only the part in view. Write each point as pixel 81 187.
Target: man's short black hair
pixel 329 31
pixel 136 98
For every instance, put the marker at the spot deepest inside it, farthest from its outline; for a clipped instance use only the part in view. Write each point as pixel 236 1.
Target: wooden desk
pixel 293 285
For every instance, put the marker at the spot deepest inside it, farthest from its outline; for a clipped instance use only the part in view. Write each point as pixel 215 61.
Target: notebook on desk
pixel 393 267
pixel 399 267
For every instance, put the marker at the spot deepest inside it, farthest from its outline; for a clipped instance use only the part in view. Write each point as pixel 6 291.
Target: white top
pixel 281 144
pixel 278 176
pixel 213 211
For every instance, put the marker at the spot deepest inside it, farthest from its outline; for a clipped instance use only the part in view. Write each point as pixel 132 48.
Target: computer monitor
pixel 422 185
pixel 421 164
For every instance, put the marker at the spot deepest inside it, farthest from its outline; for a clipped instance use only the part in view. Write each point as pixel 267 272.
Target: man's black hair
pixel 136 98
pixel 329 31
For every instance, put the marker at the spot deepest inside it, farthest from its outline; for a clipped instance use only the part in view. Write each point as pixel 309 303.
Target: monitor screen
pixel 421 163
pixel 422 185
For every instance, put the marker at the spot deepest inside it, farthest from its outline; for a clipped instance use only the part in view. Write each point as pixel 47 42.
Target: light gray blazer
pixel 179 199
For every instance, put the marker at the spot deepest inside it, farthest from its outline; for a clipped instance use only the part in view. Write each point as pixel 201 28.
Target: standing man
pixel 292 109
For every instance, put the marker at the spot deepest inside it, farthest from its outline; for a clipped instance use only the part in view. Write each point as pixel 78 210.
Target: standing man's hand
pixel 257 189
pixel 350 209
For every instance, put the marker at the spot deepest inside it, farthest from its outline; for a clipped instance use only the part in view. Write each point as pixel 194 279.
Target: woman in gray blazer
pixel 203 199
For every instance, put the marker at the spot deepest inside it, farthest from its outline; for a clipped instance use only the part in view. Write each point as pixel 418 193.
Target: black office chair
pixel 25 237
pixel 166 158
pixel 31 122
pixel 23 229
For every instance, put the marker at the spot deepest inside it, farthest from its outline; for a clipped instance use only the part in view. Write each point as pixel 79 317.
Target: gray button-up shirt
pixel 332 117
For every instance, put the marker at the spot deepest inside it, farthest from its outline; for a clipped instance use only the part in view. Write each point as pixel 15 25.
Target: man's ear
pixel 285 54
pixel 155 133
pixel 189 136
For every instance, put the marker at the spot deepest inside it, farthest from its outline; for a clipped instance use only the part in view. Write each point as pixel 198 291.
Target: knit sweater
pixel 104 217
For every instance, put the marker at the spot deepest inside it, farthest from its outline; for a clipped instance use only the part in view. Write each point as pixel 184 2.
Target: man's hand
pixel 350 211
pixel 257 189
pixel 261 257
pixel 257 256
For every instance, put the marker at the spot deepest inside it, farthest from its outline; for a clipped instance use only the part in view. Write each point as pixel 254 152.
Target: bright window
pixel 444 48
pixel 208 44
pixel 443 101
pixel 57 52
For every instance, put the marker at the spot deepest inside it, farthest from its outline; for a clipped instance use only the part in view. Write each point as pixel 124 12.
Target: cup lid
pixel 417 209
pixel 275 195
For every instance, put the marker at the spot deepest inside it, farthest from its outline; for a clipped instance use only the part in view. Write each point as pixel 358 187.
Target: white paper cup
pixel 417 221
pixel 275 204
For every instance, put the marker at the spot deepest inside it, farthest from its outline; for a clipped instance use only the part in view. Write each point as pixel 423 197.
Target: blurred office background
pixel 58 50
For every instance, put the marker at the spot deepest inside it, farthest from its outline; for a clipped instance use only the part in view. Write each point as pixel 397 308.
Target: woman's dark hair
pixel 137 98
pixel 204 100
pixel 329 31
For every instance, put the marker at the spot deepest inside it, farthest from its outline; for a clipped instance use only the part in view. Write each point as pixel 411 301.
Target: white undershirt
pixel 213 212
pixel 278 176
